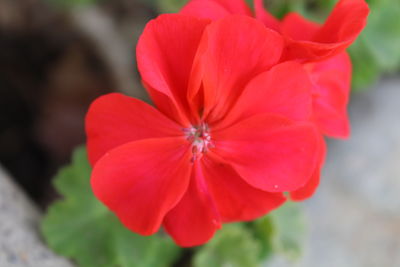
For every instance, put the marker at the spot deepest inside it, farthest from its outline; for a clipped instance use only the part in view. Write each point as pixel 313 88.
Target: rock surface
pixel 20 242
pixel 354 218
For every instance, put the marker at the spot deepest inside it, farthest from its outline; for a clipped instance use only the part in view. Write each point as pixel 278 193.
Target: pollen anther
pixel 200 138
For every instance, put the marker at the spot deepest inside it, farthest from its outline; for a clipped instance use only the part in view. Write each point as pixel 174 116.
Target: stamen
pixel 200 138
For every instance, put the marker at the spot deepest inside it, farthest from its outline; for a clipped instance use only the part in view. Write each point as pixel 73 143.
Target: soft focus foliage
pixel 247 244
pixel 79 227
pixel 288 232
pixel 169 6
pixel 232 247
pixel 377 49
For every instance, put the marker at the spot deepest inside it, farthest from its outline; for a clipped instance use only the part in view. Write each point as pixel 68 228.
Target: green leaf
pixel 81 228
pixel 382 34
pixel 290 230
pixel 232 246
pixel 282 232
pixel 365 68
pixel 264 230
pixel 170 6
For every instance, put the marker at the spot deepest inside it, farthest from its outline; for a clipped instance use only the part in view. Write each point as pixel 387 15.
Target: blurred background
pixel 56 56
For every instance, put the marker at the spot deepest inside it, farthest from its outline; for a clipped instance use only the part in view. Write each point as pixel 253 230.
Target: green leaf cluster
pixel 80 228
pixel 281 233
pixel 170 6
pixel 233 246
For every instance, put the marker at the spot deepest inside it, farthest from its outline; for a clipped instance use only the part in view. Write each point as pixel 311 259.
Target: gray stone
pixel 20 242
pixel 354 218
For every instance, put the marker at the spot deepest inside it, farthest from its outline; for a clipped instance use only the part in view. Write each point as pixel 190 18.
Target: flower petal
pixel 233 50
pixel 284 90
pixel 195 219
pixel 265 17
pixel 141 181
pixel 208 9
pixel 308 189
pixel 215 9
pixel 344 23
pixel 236 200
pixel 298 28
pixel 115 119
pixel 331 91
pixel 311 186
pixel 270 152
pixel 340 30
pixel 165 54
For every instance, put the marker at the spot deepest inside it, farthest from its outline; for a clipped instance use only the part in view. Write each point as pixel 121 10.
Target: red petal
pixel 115 119
pixel 298 28
pixel 284 90
pixel 235 199
pixel 208 9
pixel 167 105
pixel 269 152
pixel 331 92
pixel 311 186
pixel 340 29
pixel 233 50
pixel 215 9
pixel 165 54
pixel 346 21
pixel 194 220
pixel 141 181
pixel 263 15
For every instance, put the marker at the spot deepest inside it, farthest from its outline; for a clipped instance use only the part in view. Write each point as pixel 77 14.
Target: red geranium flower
pixel 308 41
pixel 230 133
pixel 321 47
pixel 305 40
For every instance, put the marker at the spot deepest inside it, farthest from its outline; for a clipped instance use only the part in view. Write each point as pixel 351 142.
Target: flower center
pixel 200 138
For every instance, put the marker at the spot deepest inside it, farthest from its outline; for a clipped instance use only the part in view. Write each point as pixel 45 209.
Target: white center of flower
pixel 200 138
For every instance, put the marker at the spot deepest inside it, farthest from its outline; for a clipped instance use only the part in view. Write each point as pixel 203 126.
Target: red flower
pixel 305 40
pixel 321 50
pixel 230 133
pixel 308 42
